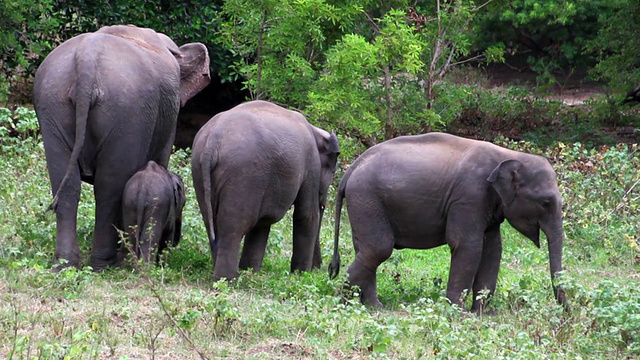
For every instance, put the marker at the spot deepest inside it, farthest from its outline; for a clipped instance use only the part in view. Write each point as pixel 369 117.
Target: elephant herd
pixel 107 104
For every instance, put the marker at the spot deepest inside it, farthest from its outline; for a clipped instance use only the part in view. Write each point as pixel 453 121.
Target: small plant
pixel 18 129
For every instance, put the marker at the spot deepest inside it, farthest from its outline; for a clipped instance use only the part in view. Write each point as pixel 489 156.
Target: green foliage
pixel 616 46
pixel 610 207
pixel 16 128
pixel 373 83
pixel 182 21
pixel 33 28
pixel 23 38
pixel 371 89
pixel 275 64
pixel 555 33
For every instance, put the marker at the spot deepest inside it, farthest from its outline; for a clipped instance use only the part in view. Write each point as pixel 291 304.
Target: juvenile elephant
pixel 429 190
pixel 249 165
pixel 152 203
pixel 107 102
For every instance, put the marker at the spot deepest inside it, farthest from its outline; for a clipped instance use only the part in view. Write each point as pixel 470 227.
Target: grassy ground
pixel 175 311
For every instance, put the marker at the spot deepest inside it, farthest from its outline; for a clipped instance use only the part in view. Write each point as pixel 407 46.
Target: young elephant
pixel 152 205
pixel 249 165
pixel 429 190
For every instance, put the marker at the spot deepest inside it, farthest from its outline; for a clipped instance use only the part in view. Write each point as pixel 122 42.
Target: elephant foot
pixel 317 261
pixel 62 264
pixel 348 292
pixel 227 275
pixel 246 265
pixel 373 303
pixel 65 259
pixel 98 264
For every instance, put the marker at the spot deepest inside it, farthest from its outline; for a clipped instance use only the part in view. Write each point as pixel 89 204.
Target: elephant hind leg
pixel 306 224
pixel 372 249
pixel 67 252
pixel 255 244
pixel 108 194
pixel 226 262
pixel 58 152
pixel 151 233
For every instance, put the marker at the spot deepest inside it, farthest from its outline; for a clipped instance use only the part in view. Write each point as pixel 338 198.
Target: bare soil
pixel 573 89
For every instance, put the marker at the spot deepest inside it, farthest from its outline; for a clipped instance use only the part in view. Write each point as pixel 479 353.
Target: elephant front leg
pixel 255 244
pixel 487 276
pixel 465 259
pixel 465 243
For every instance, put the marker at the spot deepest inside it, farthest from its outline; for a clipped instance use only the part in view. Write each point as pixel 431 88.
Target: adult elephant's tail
pixel 207 167
pixel 334 266
pixel 85 95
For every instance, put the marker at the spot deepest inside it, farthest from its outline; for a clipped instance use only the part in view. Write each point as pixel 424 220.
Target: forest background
pixel 371 70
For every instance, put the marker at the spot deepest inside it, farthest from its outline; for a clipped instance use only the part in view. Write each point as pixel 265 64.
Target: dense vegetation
pixel 174 310
pixel 368 70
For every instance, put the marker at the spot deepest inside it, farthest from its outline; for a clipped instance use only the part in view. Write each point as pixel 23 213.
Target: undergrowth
pixel 175 310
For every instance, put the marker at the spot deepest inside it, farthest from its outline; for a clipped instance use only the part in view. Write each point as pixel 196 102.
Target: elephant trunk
pixel 317 254
pixel 555 237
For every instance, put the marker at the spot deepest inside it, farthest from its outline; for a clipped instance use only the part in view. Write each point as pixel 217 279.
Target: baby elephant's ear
pixel 505 180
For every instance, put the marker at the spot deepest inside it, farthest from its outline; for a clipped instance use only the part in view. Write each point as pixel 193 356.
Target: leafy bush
pixel 600 189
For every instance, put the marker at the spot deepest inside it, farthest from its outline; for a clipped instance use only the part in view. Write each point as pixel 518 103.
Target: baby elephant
pixel 436 189
pixel 152 204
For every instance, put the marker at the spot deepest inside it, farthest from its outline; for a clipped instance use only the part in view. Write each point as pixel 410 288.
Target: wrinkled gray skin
pixel 107 102
pixel 429 190
pixel 249 165
pixel 152 203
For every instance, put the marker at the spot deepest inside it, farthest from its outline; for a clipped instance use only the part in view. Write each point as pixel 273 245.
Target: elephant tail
pixel 207 166
pixel 334 266
pixel 85 95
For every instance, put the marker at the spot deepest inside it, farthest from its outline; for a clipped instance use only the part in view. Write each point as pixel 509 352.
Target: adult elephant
pixel 249 165
pixel 107 102
pixel 429 190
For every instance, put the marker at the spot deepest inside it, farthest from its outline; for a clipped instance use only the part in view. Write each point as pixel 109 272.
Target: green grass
pixel 175 311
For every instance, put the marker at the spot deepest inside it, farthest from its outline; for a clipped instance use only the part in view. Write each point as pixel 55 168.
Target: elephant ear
pixel 506 180
pixel 193 59
pixel 328 147
pixel 178 191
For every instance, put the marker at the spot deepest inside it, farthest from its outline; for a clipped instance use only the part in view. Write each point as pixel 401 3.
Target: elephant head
pixel 329 149
pixel 180 200
pixel 531 202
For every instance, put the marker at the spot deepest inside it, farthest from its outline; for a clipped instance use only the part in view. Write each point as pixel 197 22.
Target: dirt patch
pixel 572 87
pixel 571 124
